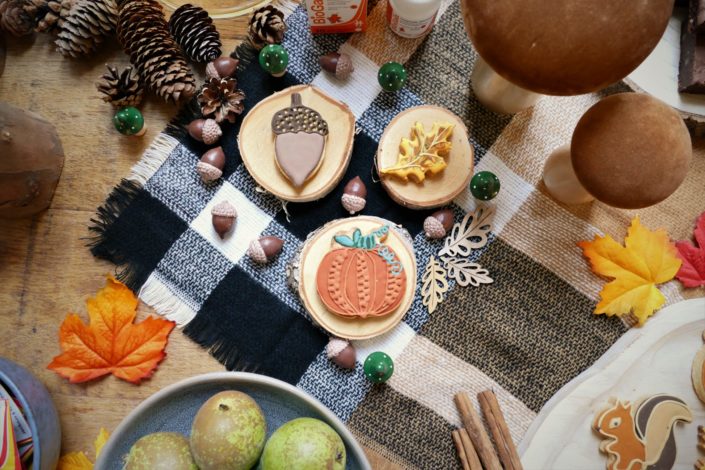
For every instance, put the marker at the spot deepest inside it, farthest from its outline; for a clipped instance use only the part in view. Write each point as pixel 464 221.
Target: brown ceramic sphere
pixel 565 47
pixel 631 150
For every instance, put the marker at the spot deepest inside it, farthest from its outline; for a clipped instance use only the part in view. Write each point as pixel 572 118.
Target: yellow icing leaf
pixel 423 152
pixel 646 259
pixel 74 461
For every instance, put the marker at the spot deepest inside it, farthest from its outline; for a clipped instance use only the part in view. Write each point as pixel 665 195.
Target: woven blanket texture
pixel 524 336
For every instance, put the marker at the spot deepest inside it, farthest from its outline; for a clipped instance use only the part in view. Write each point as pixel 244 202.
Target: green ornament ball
pixel 274 58
pixel 484 185
pixel 129 121
pixel 378 367
pixel 391 76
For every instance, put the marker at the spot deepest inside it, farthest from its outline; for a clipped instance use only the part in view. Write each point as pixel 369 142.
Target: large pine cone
pixel 221 99
pixel 120 88
pixel 195 32
pixel 14 19
pixel 143 33
pixel 49 15
pixel 267 26
pixel 86 25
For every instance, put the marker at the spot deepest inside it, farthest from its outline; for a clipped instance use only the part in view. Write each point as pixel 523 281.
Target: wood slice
pixel 256 142
pixel 318 245
pixel 436 190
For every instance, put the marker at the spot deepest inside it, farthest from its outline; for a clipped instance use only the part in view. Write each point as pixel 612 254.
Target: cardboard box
pixel 337 16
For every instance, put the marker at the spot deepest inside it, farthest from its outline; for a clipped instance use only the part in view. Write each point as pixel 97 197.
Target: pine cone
pixel 14 19
pixel 195 32
pixel 221 99
pixel 143 33
pixel 120 88
pixel 49 15
pixel 267 26
pixel 86 25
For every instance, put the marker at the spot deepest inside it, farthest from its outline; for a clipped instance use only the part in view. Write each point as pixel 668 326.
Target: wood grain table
pixel 46 271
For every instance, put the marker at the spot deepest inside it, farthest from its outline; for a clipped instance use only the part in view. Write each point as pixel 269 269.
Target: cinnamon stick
pixel 461 450
pixel 508 454
pixel 470 454
pixel 476 431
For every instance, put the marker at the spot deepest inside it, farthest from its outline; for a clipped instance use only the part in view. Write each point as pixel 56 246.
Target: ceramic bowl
pixel 39 410
pixel 174 407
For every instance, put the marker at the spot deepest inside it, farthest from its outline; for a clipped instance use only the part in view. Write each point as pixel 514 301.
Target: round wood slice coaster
pixel 256 142
pixel 436 190
pixel 319 244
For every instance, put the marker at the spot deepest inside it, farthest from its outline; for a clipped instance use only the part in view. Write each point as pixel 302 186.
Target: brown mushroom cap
pixel 631 150
pixel 565 47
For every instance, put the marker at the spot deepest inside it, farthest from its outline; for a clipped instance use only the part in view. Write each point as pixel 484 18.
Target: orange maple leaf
pixel 647 258
pixel 111 343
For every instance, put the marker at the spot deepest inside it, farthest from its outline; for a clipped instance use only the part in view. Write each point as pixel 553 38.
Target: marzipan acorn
pixel 354 194
pixel 222 67
pixel 223 218
pixel 205 130
pixel 339 64
pixel 341 352
pixel 265 249
pixel 211 165
pixel 438 224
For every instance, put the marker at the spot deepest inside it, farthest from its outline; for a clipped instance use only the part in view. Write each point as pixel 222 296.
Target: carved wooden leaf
pixel 434 285
pixel 470 233
pixel 466 273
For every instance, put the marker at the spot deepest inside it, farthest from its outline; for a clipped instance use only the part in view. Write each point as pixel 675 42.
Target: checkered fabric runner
pixel 524 336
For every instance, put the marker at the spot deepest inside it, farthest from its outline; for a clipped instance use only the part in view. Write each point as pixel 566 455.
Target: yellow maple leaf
pixel 422 153
pixel 100 441
pixel 79 460
pixel 647 258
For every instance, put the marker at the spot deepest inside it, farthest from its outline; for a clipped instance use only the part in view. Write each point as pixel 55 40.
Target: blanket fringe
pixel 161 298
pixel 153 158
pixel 213 338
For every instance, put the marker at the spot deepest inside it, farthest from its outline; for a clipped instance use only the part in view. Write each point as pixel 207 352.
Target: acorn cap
pixel 339 64
pixel 631 150
pixel 565 47
pixel 222 67
pixel 298 118
pixel 224 209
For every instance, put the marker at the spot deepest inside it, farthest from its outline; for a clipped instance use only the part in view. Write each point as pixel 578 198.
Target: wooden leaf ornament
pixel 434 284
pixel 300 138
pixel 697 373
pixel 692 271
pixel 423 152
pixel 470 233
pixel 111 343
pixel 647 258
pixel 363 279
pixel 466 273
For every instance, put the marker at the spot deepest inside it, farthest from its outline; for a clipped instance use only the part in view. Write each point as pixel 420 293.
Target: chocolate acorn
pixel 338 64
pixel 438 224
pixel 264 249
pixel 354 194
pixel 222 67
pixel 341 352
pixel 205 130
pixel 224 215
pixel 300 138
pixel 210 167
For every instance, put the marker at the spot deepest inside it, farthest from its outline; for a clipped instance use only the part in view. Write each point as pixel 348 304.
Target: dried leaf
pixel 434 285
pixel 422 153
pixel 100 440
pixel 470 233
pixel 111 343
pixel 692 271
pixel 646 259
pixel 466 273
pixel 79 460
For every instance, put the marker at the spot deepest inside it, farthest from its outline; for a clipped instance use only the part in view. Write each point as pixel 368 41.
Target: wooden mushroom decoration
pixel 557 47
pixel 628 150
pixel 31 159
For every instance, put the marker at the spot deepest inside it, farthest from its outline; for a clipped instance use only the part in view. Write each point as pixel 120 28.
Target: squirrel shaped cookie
pixel 363 278
pixel 300 139
pixel 640 437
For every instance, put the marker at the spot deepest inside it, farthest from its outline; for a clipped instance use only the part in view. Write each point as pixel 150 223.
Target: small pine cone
pixel 15 19
pixel 221 99
pixel 267 26
pixel 143 33
pixel 86 25
pixel 195 32
pixel 120 88
pixel 49 15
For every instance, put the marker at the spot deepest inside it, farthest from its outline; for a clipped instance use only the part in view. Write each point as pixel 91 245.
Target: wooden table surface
pixel 46 271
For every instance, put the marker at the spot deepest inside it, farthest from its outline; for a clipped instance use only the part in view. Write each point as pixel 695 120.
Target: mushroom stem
pixel 497 93
pixel 560 178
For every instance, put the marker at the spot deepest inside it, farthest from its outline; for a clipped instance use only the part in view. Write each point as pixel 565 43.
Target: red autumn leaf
pixel 111 343
pixel 692 271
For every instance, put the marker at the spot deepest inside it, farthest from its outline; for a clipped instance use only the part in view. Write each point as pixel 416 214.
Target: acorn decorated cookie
pixel 300 139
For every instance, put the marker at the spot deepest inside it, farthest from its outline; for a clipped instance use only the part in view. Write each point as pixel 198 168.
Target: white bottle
pixel 412 18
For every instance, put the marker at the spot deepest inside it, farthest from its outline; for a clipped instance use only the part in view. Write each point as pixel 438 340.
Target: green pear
pixel 304 444
pixel 160 451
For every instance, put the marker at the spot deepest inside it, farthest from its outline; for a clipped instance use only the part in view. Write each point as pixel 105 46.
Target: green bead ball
pixel 128 121
pixel 274 58
pixel 391 76
pixel 378 367
pixel 484 185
